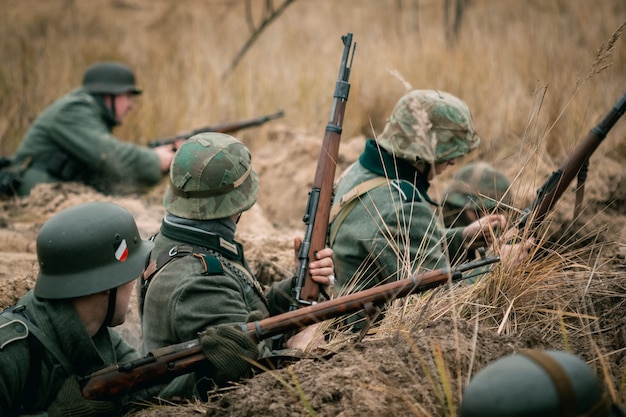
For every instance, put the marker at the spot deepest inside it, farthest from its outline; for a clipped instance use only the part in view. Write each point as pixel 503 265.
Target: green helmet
pixel 89 248
pixel 211 178
pixel 110 78
pixel 431 126
pixel 479 186
pixel 539 384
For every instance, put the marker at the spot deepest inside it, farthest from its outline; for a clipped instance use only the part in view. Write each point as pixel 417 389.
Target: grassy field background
pixel 524 67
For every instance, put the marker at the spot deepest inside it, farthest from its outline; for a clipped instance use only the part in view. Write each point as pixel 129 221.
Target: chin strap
pixel 110 308
pixel 112 106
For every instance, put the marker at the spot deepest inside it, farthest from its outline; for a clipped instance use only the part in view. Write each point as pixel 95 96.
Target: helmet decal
pixel 121 252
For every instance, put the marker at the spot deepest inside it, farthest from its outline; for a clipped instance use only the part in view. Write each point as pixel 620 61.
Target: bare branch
pixel 269 15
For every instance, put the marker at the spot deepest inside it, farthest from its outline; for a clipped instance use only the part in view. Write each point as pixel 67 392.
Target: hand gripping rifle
pixel 305 290
pixel 576 164
pixel 163 365
pixel 223 128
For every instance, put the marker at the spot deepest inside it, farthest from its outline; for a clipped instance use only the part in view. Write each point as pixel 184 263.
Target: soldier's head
pixel 115 82
pixel 477 189
pixel 429 127
pixel 90 249
pixel 537 383
pixel 211 177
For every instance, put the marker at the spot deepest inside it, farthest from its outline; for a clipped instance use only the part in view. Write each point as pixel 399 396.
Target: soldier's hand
pixel 322 269
pixel 483 232
pixel 165 154
pixel 229 351
pixel 516 254
pixel 70 402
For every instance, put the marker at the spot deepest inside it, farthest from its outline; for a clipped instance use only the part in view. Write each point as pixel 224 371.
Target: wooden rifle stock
pixel 316 217
pixel 549 193
pixel 223 128
pixel 163 365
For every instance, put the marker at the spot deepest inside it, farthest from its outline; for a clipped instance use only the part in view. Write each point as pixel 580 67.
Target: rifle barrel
pixel 558 182
pixel 358 301
pixel 164 364
pixel 230 127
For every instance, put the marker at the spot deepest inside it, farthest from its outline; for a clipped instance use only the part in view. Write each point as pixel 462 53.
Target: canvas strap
pixel 340 209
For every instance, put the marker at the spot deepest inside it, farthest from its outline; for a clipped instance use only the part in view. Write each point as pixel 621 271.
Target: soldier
pixel 476 190
pixel 198 280
pixel 383 226
pixel 72 139
pixel 536 383
pixel 89 258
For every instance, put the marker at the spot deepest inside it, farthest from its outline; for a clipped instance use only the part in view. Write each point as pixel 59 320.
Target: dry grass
pixel 181 50
pixel 537 74
pixel 554 295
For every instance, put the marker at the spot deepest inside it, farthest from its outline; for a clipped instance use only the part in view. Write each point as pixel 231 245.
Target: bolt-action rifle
pixel 164 364
pixel 575 164
pixel 223 128
pixel 305 290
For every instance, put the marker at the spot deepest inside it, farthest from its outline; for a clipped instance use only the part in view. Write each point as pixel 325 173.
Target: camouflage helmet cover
pixel 479 186
pixel 537 383
pixel 429 125
pixel 89 248
pixel 110 78
pixel 211 178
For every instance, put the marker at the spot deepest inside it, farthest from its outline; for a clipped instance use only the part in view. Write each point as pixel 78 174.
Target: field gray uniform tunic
pixel 72 141
pixel 212 286
pixel 392 232
pixel 58 321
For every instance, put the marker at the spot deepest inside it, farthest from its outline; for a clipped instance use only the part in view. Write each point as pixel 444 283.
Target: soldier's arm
pixel 80 132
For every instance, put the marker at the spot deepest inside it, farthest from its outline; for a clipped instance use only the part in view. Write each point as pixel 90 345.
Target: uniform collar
pixel 381 162
pixel 217 235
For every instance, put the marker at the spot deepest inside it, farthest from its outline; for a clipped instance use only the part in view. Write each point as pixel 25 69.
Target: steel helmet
pixel 537 383
pixel 431 126
pixel 478 186
pixel 89 248
pixel 110 78
pixel 211 178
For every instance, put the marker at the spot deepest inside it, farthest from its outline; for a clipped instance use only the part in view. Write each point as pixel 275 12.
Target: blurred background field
pixel 522 66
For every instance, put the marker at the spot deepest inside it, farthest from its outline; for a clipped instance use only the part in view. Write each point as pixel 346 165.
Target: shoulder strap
pixel 24 328
pixel 11 330
pixel 18 313
pixel 212 266
pixel 340 209
pixel 213 262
